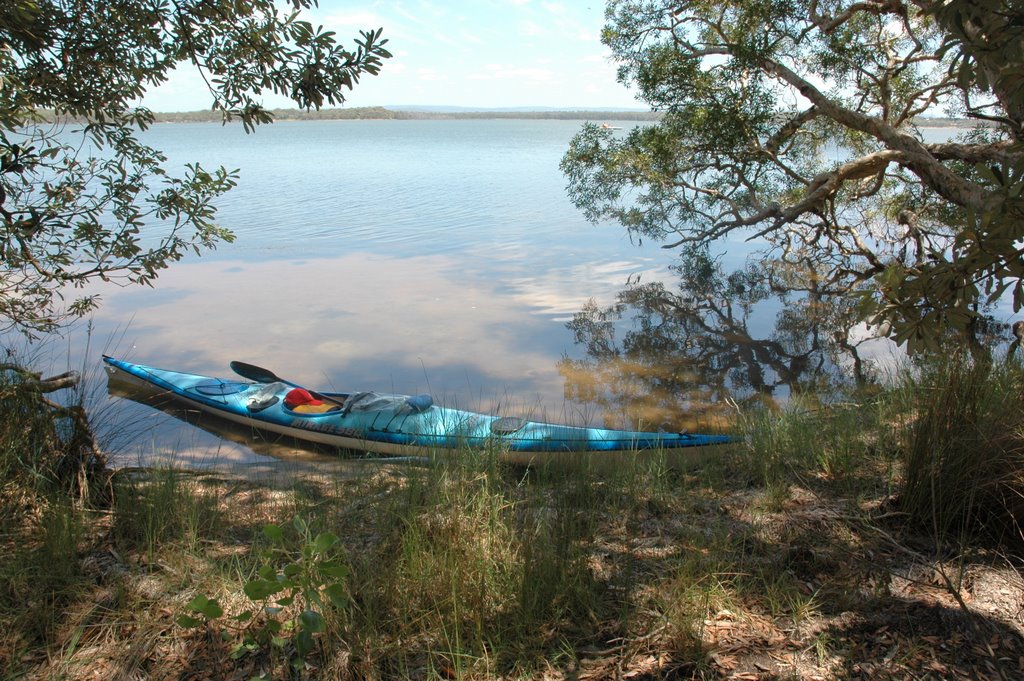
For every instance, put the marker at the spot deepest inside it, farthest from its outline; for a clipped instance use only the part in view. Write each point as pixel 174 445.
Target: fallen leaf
pixel 725 661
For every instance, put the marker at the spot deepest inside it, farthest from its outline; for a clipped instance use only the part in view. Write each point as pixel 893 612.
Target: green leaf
pixel 325 541
pixel 987 172
pixel 312 621
pixel 337 594
pixel 273 532
pixel 261 589
pixel 213 610
pixel 304 643
pixel 299 524
pixel 188 622
pixel 198 603
pixel 242 649
pixel 335 570
pixel 207 607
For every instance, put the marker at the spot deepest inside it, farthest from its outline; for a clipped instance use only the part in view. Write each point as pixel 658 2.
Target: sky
pixel 467 53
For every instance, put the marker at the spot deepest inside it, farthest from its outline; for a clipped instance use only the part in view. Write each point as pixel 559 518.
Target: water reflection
pixel 689 354
pixel 352 323
pixel 480 340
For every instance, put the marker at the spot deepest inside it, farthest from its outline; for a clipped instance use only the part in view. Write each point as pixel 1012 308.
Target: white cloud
pixel 531 29
pixel 473 38
pixel 429 74
pixel 454 40
pixel 510 72
pixel 444 39
pixel 361 20
pixel 556 8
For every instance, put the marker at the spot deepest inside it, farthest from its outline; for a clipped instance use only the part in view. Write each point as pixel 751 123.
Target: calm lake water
pixel 423 256
pixel 408 256
pixel 439 257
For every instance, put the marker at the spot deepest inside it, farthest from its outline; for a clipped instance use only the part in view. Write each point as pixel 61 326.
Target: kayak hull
pixel 397 425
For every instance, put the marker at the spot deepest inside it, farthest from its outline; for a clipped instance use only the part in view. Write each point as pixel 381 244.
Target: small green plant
pixel 209 608
pixel 300 578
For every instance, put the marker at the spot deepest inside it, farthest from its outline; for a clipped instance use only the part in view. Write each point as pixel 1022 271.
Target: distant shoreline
pixel 382 113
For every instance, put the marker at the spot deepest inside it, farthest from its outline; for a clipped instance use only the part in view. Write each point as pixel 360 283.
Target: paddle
pixel 255 373
pixel 261 375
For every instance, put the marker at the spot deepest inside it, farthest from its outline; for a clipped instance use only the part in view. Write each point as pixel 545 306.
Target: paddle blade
pixel 261 375
pixel 254 373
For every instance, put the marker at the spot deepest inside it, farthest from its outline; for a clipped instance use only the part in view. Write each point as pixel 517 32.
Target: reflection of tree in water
pixel 757 333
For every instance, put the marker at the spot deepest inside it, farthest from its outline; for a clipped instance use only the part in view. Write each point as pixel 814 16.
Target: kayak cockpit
pixel 301 402
pixel 366 402
pixel 215 388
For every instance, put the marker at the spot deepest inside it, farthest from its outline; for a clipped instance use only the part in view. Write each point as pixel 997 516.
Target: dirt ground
pixel 863 601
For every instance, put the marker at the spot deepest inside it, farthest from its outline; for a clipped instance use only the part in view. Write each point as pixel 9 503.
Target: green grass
pixel 42 524
pixel 160 508
pixel 847 447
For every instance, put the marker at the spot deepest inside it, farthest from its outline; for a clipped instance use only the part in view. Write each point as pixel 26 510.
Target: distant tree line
pixel 382 113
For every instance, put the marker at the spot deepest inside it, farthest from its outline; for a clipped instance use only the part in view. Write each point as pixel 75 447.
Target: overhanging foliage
pixel 795 123
pixel 83 199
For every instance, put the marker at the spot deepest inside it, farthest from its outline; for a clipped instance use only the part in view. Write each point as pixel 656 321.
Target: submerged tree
pixel 81 198
pixel 796 123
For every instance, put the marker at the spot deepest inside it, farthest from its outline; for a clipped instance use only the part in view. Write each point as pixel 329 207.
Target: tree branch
pixel 915 156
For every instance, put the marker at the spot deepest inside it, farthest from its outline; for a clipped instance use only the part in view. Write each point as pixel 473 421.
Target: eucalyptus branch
pixel 790 128
pixel 1004 152
pixel 858 76
pixel 945 182
pixel 89 66
pixel 828 25
pixel 923 100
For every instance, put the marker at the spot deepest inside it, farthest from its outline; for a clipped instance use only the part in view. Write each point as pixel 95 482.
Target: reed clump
pixel 162 508
pixel 46 446
pixel 46 476
pixel 964 450
pixel 846 446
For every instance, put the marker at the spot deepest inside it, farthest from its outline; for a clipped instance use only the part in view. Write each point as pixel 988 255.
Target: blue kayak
pixel 390 424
